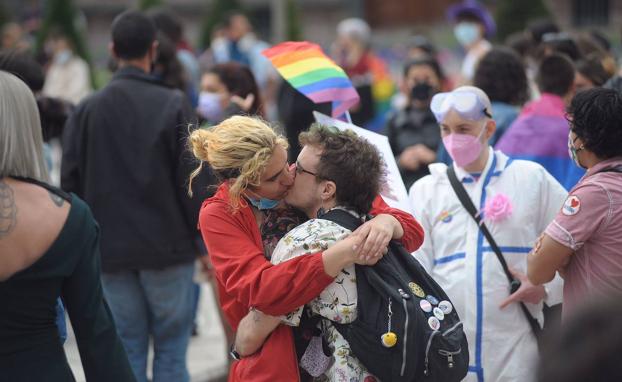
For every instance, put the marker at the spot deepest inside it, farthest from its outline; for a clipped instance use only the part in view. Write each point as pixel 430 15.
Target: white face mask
pixel 467 33
pixel 210 107
pixel 573 151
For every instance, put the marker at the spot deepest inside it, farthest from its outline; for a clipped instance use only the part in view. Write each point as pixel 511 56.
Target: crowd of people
pixel 186 163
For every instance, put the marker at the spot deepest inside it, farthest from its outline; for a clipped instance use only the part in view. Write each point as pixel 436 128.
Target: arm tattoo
pixel 56 199
pixel 8 210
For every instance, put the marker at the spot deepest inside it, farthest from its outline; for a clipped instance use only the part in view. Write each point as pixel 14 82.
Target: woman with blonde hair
pixel 43 259
pixel 250 159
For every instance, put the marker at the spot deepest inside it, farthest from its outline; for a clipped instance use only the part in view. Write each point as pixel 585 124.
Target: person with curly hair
pixel 335 170
pixel 583 242
pixel 501 75
pixel 250 160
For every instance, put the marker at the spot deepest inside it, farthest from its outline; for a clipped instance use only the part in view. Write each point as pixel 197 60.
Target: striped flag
pixel 305 66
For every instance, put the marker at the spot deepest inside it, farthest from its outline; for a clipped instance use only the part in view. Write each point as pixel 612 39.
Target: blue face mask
pixel 63 57
pixel 467 33
pixel 263 203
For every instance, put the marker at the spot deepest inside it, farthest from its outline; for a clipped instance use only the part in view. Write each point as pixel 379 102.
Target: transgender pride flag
pixel 305 66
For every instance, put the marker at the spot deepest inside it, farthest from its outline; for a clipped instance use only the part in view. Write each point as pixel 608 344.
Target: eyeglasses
pixel 300 170
pixel 466 103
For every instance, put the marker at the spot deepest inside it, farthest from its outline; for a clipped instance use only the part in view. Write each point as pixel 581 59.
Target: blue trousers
pixel 60 321
pixel 154 304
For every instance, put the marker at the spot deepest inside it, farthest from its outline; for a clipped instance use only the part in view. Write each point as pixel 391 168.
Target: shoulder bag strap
pixel 470 207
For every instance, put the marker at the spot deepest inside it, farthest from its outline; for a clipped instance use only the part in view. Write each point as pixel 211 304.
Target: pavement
pixel 207 355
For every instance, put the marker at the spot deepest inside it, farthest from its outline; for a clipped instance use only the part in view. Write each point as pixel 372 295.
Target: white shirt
pixel 458 257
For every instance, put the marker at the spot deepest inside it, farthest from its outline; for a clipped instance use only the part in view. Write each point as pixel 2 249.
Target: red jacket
pixel 247 279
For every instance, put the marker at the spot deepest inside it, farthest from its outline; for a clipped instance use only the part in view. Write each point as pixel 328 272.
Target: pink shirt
pixel 590 223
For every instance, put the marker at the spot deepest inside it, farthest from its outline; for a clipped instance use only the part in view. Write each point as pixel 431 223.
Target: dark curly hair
pixel 595 115
pixel 501 75
pixel 351 162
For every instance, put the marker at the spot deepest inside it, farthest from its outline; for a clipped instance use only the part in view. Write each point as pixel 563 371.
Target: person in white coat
pixel 517 199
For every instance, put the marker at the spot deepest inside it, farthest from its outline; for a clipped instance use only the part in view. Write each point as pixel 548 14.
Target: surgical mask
pixel 62 57
pixel 464 148
pixel 467 33
pixel 466 103
pixel 422 91
pixel 209 106
pixel 572 151
pixel 263 203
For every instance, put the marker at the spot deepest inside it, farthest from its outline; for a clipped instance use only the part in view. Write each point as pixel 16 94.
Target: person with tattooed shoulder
pixel 49 248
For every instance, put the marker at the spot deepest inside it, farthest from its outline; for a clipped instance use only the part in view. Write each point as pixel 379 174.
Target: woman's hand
pixel 377 233
pixel 244 103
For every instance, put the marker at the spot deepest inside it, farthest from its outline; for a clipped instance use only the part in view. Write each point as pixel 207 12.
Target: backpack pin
pixel 389 339
pixel 416 289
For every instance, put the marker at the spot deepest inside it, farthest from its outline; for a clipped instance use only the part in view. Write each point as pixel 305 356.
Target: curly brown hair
pixel 352 162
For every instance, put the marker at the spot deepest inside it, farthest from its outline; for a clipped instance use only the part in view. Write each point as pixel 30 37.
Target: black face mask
pixel 422 91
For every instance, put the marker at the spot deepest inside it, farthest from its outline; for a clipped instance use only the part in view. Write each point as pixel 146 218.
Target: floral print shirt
pixel 336 303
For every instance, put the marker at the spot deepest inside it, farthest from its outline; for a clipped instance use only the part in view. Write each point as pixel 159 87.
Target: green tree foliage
pixel 513 16
pixel 216 12
pixel 143 5
pixel 292 14
pixel 61 15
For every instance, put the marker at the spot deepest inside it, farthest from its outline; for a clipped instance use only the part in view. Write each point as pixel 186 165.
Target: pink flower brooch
pixel 497 208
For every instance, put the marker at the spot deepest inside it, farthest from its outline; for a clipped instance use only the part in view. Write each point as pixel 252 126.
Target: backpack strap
pixel 341 217
pixel 467 203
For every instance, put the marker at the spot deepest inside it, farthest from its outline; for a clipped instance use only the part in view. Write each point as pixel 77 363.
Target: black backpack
pixel 397 295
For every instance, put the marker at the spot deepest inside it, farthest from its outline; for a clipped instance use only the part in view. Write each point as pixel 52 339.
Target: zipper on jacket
pixel 426 372
pixel 404 351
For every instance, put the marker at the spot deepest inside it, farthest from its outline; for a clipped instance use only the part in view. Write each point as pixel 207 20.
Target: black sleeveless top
pixel 30 347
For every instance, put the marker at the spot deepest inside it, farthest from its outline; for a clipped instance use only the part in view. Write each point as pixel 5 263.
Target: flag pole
pixel 349 119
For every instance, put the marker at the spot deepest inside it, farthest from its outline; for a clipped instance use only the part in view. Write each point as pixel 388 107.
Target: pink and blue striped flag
pixel 305 66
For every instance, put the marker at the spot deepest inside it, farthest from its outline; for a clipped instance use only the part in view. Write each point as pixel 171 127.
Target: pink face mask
pixel 463 148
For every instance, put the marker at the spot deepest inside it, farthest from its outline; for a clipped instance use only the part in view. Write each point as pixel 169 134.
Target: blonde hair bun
pixel 240 143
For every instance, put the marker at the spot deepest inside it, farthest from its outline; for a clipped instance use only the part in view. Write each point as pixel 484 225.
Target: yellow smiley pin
pixel 389 339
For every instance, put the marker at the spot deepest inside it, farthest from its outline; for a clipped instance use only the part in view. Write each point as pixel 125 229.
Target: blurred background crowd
pixel 397 54
pixel 530 57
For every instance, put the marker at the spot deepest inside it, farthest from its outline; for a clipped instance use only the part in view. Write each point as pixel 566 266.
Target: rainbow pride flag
pixel 305 66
